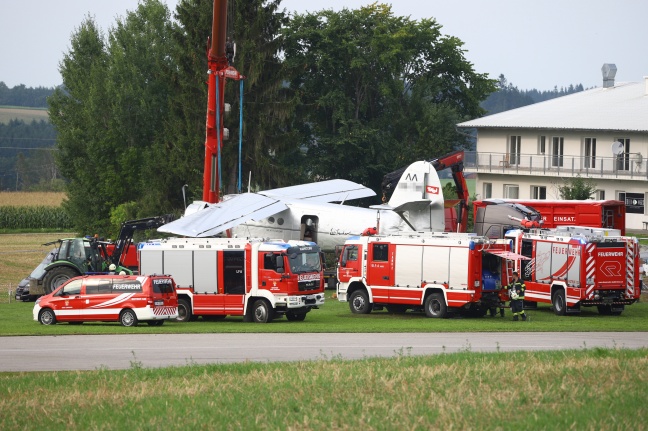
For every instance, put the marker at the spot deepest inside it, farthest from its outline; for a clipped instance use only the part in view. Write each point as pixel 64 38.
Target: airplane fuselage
pixel 331 224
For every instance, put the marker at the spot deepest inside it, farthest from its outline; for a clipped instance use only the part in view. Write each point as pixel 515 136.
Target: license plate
pixel 159 303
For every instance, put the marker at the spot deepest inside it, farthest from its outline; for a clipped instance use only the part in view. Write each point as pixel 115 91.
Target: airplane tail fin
pixel 418 198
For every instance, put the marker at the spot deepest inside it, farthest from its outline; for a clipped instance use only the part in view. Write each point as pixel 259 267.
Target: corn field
pixel 33 217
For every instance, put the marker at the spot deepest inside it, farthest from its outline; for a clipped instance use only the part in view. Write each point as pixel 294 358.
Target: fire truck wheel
pixel 47 317
pixel 559 302
pixel 295 317
pixel 128 318
pixel 57 276
pixel 261 311
pixel 359 302
pixel 435 306
pixel 184 310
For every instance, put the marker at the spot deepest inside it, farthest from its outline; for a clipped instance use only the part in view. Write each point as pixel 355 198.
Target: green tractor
pixel 75 257
pixel 80 256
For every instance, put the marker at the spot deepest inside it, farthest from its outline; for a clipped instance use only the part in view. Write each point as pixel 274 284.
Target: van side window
pixel 72 288
pixel 97 286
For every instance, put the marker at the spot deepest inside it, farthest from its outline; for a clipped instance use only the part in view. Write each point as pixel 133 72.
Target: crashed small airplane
pixel 308 211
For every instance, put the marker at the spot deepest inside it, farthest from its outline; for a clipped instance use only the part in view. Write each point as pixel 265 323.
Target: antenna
pixel 617 148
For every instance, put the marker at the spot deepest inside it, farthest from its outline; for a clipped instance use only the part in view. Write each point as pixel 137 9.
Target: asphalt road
pixel 90 352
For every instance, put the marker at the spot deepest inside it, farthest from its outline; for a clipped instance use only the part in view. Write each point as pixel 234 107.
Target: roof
pixel 623 107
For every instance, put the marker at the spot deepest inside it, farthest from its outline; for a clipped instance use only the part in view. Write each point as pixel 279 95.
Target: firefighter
pixel 516 293
pixel 112 269
pixel 229 51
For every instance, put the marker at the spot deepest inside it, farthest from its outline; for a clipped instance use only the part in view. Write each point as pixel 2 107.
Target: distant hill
pixel 509 97
pixel 24 96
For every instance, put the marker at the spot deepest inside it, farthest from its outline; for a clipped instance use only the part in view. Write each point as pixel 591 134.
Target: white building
pixel 601 134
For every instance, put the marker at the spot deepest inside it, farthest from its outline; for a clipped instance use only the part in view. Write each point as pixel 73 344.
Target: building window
pixel 488 190
pixel 515 145
pixel 590 152
pixel 599 195
pixel 623 159
pixel 511 191
pixel 542 145
pixel 538 192
pixel 557 145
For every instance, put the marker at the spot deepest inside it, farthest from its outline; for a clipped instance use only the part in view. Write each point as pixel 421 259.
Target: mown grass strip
pixel 334 316
pixel 580 389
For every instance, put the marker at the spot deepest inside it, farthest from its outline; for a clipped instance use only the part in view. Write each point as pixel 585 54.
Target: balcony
pixel 623 167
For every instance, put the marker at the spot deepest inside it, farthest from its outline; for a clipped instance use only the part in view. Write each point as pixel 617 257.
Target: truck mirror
pixel 280 264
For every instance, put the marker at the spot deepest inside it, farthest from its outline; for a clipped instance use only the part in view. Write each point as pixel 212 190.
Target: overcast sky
pixel 535 44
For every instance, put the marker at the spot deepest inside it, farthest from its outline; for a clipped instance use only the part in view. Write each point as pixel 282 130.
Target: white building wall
pixel 493 148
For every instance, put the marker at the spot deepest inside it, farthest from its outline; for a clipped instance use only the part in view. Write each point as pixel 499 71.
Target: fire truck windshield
pixel 304 261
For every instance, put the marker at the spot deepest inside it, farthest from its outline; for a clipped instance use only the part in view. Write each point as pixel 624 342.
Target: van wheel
pixel 435 306
pixel 184 311
pixel 261 311
pixel 359 302
pixel 57 276
pixel 128 318
pixel 47 317
pixel 559 303
pixel 295 317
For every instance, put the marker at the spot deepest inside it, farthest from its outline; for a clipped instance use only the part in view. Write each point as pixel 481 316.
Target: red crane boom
pixel 218 71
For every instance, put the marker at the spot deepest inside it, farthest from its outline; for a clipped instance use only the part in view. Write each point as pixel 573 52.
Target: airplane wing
pixel 216 218
pixel 322 191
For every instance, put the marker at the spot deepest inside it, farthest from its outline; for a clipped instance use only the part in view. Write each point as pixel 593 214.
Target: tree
pixel 110 113
pixel 268 147
pixel 577 188
pixel 377 91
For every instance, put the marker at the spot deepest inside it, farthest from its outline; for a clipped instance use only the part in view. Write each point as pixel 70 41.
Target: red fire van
pixel 110 298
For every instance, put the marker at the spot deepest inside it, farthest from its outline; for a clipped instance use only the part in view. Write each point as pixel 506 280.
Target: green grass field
pixel 335 316
pixel 578 389
pixel 581 389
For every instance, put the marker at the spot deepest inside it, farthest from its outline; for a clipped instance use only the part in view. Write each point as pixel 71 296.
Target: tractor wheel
pixel 57 276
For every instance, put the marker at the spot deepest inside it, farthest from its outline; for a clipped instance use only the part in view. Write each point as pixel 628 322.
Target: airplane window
pixel 280 221
pixel 271 220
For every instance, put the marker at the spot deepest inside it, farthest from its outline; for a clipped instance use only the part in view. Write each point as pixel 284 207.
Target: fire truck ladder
pixel 510 267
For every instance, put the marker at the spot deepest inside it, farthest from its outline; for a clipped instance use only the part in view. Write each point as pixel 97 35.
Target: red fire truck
pixel 574 266
pixel 259 280
pixel 439 273
pixel 491 215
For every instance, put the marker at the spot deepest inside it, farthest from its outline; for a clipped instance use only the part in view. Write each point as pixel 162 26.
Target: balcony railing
pixel 625 166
